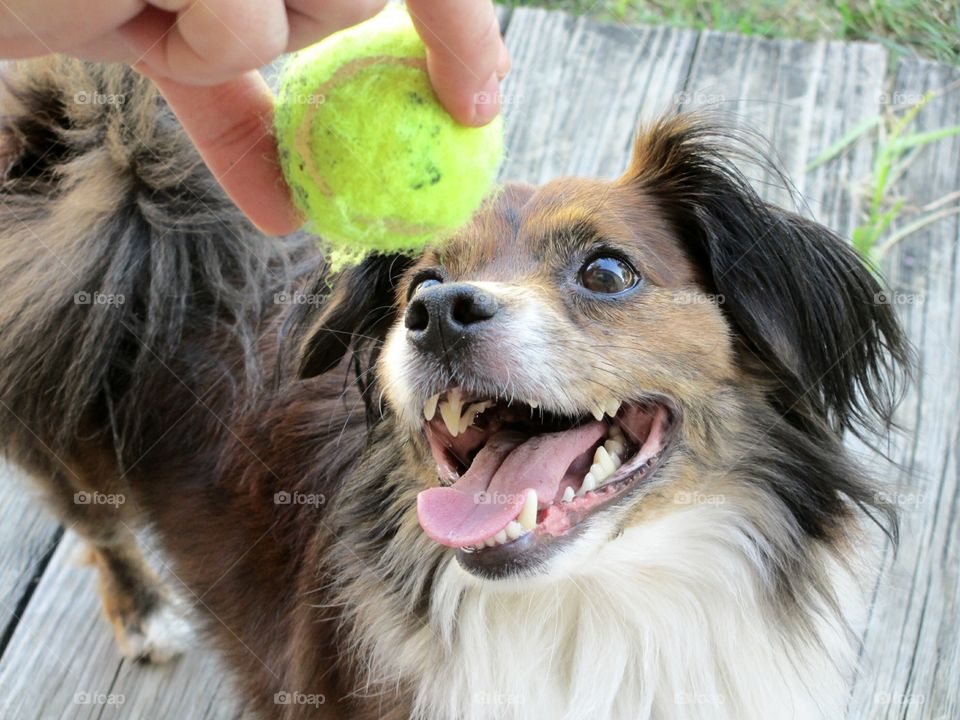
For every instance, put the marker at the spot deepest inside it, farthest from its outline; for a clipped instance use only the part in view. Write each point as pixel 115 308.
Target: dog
pixel 583 460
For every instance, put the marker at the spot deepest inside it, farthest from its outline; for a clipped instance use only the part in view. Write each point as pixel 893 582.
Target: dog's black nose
pixel 441 315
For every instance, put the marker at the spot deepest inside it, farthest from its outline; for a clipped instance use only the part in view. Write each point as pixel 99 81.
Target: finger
pixel 466 56
pixel 215 39
pixel 28 27
pixel 231 126
pixel 312 20
pixel 209 41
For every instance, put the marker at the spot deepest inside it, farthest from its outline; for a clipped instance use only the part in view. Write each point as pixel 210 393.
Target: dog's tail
pixel 116 245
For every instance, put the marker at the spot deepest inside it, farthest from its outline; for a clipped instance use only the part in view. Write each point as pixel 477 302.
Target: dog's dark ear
pixel 810 315
pixel 360 309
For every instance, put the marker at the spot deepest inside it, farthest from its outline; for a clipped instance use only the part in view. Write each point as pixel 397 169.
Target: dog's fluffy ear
pixel 809 313
pixel 358 311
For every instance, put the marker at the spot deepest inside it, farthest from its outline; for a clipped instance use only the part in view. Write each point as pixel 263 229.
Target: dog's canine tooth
pixel 514 530
pixel 528 513
pixel 604 460
pixel 450 411
pixel 568 494
pixel 612 408
pixel 589 483
pixel 430 407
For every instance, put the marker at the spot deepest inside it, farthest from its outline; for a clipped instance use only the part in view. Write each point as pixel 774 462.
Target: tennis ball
pixel 373 160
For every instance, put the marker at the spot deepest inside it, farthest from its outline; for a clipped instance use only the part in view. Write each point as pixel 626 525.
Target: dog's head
pixel 587 351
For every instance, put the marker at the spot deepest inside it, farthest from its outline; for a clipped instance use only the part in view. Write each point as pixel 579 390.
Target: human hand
pixel 202 54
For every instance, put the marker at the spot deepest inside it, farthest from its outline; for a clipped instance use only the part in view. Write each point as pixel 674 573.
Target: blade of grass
pixel 848 139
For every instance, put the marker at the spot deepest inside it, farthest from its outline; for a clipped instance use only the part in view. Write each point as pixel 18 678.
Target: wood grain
pixel 576 94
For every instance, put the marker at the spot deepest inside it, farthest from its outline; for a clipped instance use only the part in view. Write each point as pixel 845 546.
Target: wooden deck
pixel 573 101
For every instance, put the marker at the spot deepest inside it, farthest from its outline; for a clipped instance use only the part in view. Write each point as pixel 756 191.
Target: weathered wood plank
pixel 62 662
pixel 578 87
pixel 28 535
pixel 802 97
pixel 911 653
pixel 573 101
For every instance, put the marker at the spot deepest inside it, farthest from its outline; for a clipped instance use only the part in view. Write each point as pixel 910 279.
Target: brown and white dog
pixel 584 461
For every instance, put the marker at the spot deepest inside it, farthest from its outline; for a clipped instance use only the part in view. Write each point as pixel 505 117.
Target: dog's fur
pixel 199 398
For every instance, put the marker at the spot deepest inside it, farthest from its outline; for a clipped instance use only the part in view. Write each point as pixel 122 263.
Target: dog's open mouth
pixel 513 476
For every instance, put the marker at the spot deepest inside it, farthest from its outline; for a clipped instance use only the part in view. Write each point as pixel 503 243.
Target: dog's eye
pixel 606 275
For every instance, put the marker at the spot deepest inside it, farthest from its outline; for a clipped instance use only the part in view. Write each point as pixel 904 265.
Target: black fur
pixel 803 302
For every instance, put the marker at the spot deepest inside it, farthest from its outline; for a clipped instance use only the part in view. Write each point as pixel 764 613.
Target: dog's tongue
pixel 491 493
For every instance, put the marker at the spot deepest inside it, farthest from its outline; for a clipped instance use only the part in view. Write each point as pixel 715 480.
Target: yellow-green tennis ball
pixel 374 161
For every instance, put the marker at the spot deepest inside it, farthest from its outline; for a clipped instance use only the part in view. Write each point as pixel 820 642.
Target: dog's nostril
pixel 473 308
pixel 417 316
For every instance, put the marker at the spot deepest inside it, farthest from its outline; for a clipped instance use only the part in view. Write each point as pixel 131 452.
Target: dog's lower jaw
pixel 673 619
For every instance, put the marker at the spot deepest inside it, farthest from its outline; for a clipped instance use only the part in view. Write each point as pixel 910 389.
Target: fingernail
pixel 487 101
pixel 503 61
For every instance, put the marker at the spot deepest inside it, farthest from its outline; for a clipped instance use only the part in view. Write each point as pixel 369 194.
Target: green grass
pixel 897 146
pixel 923 28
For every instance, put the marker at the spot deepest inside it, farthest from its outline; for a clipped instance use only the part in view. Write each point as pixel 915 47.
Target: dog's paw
pixel 158 637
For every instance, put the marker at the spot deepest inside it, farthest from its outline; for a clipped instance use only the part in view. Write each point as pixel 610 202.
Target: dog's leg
pixel 146 623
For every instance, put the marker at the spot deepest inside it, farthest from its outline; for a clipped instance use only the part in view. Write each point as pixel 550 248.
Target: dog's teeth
pixel 599 472
pixel 614 447
pixel 589 483
pixel 528 514
pixel 430 407
pixel 450 411
pixel 568 494
pixel 514 530
pixel 604 460
pixel 616 432
pixel 471 414
pixel 501 537
pixel 612 408
pixel 490 541
pixel 597 413
pixel 534 404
